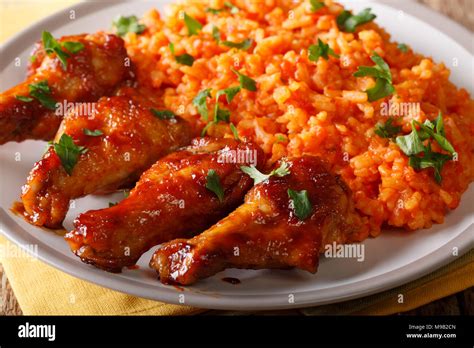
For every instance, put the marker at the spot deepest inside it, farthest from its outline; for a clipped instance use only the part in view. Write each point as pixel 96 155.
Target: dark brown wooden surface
pixel 461 303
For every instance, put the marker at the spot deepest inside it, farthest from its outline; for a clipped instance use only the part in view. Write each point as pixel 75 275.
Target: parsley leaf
pixel 403 47
pixel 412 145
pixel 316 5
pixel 320 50
pixel 193 25
pixel 24 99
pixel 243 45
pixel 128 25
pixel 433 160
pixel 382 89
pixel 163 114
pixel 68 152
pixel 221 114
pixel 230 93
pixel 259 177
pixel 348 22
pixel 233 9
pixel 387 130
pixel 246 82
pixel 440 139
pixel 50 46
pixel 112 204
pixel 41 92
pixel 199 102
pixel 73 47
pixel 383 78
pixel 216 34
pixel 213 183
pixel 92 133
pixel 185 59
pixel 301 205
pixel 214 10
pixel 228 4
pixel 234 131
pixel 440 125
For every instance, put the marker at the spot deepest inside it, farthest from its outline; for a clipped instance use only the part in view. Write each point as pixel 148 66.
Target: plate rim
pixel 397 277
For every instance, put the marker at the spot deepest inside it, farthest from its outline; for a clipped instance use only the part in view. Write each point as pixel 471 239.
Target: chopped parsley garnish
pixel 228 4
pixel 383 78
pixel 213 183
pixel 387 130
pixel 221 114
pixel 200 102
pixel 259 177
pixel 233 9
pixel 301 205
pixel 52 46
pixel 24 99
pixel 230 93
pixel 243 45
pixel 185 59
pixel 92 133
pixel 41 92
pixel 403 47
pixel 320 50
pixel 412 146
pixel 246 82
pixel 129 24
pixel 163 114
pixel 193 25
pixel 316 5
pixel 33 58
pixel 68 152
pixel 234 131
pixel 216 34
pixel 214 10
pixel 112 204
pixel 73 47
pixel 348 22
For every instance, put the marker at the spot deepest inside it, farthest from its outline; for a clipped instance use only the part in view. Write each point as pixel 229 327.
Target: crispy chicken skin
pixel 264 232
pixel 132 140
pixel 91 73
pixel 169 201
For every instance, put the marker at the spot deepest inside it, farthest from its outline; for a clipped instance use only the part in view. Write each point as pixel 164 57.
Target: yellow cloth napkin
pixel 43 290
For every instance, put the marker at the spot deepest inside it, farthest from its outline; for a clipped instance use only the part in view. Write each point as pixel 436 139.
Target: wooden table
pixel 461 303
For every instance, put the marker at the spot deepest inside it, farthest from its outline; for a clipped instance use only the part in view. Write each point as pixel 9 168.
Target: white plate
pixel 390 260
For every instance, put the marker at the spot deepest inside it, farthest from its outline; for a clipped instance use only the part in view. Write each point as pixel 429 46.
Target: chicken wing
pixel 31 110
pixel 114 144
pixel 179 196
pixel 269 230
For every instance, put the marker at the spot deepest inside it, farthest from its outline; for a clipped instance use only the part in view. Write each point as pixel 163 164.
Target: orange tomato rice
pixel 318 108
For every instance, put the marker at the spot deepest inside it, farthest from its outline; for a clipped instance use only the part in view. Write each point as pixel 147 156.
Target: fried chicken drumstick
pixel 265 232
pixel 177 197
pixel 97 66
pixel 114 145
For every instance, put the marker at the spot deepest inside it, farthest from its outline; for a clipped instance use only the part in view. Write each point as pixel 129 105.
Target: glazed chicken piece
pixel 126 139
pixel 266 232
pixel 92 72
pixel 173 199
